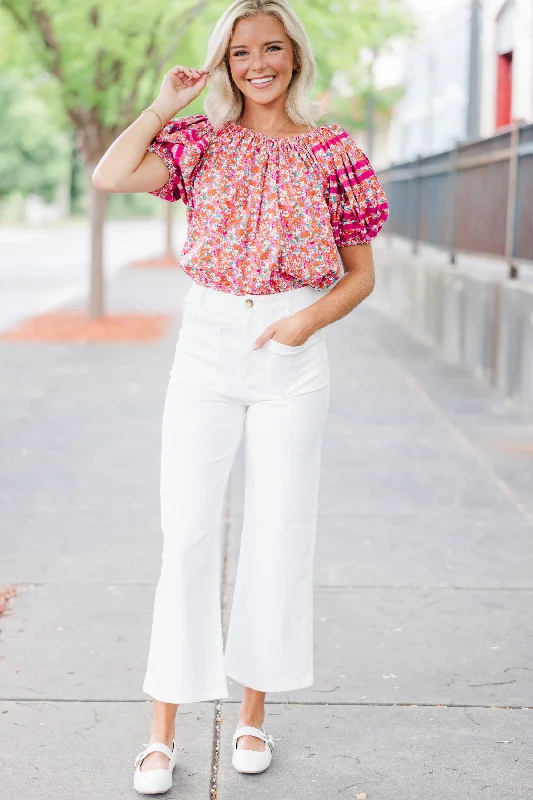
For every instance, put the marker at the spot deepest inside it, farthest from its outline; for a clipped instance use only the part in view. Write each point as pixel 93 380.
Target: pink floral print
pixel 267 214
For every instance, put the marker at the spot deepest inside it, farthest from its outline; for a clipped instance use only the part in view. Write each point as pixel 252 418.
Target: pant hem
pixel 270 685
pixel 178 698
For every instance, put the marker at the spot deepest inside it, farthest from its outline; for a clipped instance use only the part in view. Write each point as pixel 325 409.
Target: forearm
pixel 127 151
pixel 349 291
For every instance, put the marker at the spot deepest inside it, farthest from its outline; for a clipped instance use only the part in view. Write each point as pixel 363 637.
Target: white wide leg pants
pixel 277 396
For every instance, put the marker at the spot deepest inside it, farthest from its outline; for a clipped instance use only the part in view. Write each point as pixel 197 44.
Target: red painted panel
pixel 504 89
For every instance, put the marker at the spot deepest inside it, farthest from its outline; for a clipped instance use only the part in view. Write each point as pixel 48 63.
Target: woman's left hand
pixel 293 331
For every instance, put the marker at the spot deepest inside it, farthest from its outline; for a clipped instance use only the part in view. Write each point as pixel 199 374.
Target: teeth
pixel 262 80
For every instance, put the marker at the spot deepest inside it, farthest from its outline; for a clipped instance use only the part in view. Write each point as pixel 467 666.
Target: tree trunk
pixel 93 141
pixel 72 175
pixel 98 209
pixel 169 219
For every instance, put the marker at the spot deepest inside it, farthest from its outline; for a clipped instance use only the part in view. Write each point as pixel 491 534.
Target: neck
pixel 266 119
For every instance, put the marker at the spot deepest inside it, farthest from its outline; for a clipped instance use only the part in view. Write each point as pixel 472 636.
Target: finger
pixel 194 77
pixel 183 72
pixel 189 80
pixel 186 75
pixel 179 82
pixel 179 78
pixel 267 334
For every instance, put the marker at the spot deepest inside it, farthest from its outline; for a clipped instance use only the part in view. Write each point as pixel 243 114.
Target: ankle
pixel 254 716
pixel 164 735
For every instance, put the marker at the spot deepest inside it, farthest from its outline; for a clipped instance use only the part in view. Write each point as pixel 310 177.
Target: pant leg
pixel 201 434
pixel 269 645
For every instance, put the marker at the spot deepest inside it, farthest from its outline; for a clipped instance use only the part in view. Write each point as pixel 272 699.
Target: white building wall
pixel 523 62
pixel 432 114
pixel 487 119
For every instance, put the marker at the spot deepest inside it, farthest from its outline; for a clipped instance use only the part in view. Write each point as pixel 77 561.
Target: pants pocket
pixel 197 355
pixel 299 368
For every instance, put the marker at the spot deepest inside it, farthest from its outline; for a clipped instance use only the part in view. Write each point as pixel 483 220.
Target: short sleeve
pixel 181 145
pixel 358 205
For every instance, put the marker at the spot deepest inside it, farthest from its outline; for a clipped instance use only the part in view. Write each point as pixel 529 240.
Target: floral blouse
pixel 267 214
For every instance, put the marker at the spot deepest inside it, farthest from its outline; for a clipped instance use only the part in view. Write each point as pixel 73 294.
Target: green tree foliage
pixel 341 29
pixel 34 155
pixel 34 150
pixel 108 57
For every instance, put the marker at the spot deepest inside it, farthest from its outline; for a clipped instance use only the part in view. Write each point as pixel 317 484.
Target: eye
pixel 243 52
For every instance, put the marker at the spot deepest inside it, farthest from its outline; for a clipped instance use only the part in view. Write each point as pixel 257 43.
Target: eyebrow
pixel 276 41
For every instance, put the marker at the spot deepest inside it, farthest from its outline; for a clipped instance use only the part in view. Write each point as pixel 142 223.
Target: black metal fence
pixel 476 198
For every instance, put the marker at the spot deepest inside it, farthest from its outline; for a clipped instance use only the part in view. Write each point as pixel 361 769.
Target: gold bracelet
pixel 157 115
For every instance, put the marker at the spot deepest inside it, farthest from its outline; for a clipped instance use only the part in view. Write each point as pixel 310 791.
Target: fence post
pixel 388 192
pixel 451 199
pixel 512 198
pixel 416 215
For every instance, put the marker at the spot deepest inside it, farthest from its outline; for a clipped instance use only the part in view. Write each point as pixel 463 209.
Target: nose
pixel 258 61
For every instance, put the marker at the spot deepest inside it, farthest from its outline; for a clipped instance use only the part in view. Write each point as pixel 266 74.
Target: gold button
pixel 248 302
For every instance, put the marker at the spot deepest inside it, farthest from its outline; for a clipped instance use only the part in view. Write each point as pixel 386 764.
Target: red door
pixel 504 89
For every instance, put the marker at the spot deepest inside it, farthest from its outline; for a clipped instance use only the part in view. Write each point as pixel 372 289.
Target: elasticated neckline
pixel 263 136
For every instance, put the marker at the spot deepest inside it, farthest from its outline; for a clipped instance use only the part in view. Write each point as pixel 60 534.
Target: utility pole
pixel 472 112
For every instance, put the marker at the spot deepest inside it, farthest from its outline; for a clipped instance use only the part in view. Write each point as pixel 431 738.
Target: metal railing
pixel 476 198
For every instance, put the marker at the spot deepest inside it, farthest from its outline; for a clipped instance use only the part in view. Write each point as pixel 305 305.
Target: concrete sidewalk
pixel 424 577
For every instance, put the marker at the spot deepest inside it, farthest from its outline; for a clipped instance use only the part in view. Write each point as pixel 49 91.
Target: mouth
pixel 262 83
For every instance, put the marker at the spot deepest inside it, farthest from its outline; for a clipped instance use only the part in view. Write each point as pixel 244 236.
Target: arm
pixel 126 166
pixel 350 290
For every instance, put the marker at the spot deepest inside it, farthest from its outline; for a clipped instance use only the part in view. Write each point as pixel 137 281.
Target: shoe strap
pixel 156 747
pixel 248 730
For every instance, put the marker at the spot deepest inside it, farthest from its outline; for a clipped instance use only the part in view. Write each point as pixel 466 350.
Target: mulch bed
pixel 76 326
pixel 5 596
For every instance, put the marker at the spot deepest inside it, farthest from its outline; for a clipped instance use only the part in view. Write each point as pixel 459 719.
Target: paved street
pixel 423 577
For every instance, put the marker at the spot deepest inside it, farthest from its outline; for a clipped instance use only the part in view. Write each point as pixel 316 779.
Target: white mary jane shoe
pixel 154 781
pixel 252 760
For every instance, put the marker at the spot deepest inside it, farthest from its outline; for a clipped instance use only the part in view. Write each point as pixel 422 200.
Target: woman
pixel 272 202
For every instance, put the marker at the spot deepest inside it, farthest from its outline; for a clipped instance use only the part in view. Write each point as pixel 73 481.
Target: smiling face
pixel 261 58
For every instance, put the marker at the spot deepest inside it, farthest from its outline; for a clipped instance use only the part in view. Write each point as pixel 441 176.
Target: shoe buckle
pixel 140 757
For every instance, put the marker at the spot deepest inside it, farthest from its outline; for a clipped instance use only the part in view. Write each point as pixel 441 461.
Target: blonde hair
pixel 224 101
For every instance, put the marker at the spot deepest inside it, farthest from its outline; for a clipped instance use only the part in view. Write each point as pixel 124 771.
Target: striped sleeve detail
pixel 181 145
pixel 357 202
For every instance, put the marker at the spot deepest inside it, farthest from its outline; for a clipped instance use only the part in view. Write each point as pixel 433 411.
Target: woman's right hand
pixel 126 166
pixel 180 86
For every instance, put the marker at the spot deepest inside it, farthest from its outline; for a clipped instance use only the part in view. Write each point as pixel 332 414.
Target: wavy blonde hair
pixel 225 101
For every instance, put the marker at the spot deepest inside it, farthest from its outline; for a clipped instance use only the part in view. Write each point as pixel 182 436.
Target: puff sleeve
pixel 181 145
pixel 358 205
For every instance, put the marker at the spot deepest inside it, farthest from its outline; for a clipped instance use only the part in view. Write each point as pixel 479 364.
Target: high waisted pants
pixel 277 396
